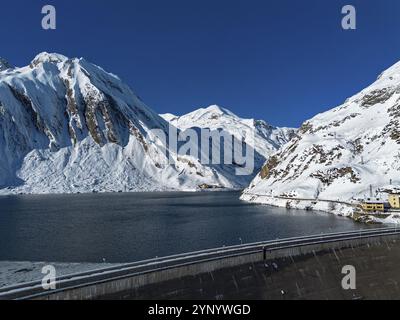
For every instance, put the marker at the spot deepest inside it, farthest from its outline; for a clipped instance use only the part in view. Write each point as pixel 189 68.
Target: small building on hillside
pixel 394 200
pixel 373 206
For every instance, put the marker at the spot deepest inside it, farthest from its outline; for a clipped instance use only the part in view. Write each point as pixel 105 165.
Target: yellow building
pixel 373 206
pixel 394 200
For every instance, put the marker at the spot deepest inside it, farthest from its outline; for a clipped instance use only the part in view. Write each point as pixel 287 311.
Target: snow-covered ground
pixel 341 154
pixel 342 209
pixel 13 273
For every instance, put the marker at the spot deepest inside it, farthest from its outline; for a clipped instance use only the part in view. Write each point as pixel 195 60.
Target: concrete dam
pixel 291 269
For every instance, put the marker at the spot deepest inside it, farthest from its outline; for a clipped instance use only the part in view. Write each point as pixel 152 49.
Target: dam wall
pixel 292 269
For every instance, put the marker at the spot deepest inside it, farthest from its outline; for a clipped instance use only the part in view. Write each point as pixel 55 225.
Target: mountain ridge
pixel 215 117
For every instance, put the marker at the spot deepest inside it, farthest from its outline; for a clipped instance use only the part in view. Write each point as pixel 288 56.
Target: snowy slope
pixel 66 125
pixel 263 138
pixel 340 154
pixel 267 139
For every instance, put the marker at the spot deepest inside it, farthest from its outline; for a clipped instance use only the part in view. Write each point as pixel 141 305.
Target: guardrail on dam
pixel 111 282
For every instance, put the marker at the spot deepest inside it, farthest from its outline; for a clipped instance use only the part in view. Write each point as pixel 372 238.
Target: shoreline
pixel 338 208
pixel 12 194
pixel 346 209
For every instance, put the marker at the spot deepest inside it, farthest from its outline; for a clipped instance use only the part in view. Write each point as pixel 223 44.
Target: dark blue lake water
pixel 132 227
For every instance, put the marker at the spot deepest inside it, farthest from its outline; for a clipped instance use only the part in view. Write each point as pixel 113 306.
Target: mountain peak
pixel 214 110
pixel 217 109
pixel 169 116
pixel 48 57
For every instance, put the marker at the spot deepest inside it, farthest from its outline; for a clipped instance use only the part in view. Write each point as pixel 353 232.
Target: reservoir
pixel 129 227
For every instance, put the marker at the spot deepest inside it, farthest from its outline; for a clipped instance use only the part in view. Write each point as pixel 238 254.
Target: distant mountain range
pixel 267 139
pixel 263 138
pixel 68 126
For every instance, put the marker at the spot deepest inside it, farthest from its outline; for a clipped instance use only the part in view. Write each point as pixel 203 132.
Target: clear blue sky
pixel 283 61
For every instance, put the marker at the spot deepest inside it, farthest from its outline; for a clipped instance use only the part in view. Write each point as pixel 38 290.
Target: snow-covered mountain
pixel 66 125
pixel 267 139
pixel 263 138
pixel 338 155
